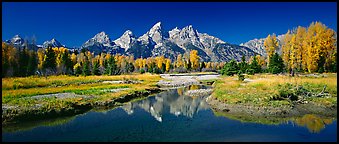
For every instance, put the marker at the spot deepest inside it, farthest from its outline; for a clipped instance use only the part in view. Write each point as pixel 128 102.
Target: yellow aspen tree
pixel 286 50
pixel 95 59
pixel 74 58
pixel 179 62
pixel 208 65
pixel 221 65
pixel 194 58
pixel 81 58
pixel 107 57
pixel 168 64
pixel 271 45
pixel 331 49
pixel 159 61
pixel 143 63
pixel 41 55
pixel 312 49
pixel 89 55
pixel 293 59
pixel 149 62
pixel 260 60
pixel 102 59
pixel 136 63
pixel 300 53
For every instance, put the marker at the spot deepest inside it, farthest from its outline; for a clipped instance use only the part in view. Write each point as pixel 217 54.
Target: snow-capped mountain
pixel 17 40
pixel 155 36
pixel 100 38
pixel 257 45
pixel 102 43
pixel 126 41
pixel 158 42
pixel 184 36
pixel 52 43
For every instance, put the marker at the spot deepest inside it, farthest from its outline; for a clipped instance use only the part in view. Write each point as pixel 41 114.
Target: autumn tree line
pixel 311 49
pixel 57 61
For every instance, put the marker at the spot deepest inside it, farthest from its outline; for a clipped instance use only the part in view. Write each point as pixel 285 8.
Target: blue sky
pixel 234 22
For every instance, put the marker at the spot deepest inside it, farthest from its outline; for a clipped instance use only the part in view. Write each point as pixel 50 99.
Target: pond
pixel 169 116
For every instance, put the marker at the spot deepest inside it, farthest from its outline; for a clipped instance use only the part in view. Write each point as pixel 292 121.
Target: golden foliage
pixel 194 58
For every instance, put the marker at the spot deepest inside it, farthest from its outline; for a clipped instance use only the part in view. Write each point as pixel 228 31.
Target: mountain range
pixel 159 42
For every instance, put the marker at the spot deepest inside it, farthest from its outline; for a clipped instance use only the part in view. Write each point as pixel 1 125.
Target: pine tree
pixel 255 66
pixel 111 66
pixel 243 65
pixel 77 69
pixel 230 68
pixel 49 60
pixel 32 63
pixel 95 70
pixel 276 64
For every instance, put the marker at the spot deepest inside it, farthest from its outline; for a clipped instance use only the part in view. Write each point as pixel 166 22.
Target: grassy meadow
pixel 17 92
pixel 275 90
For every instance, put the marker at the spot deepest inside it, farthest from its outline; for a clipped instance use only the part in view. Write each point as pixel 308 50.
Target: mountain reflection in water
pixel 178 104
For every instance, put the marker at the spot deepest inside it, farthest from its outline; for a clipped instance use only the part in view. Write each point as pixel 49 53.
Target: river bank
pixel 273 97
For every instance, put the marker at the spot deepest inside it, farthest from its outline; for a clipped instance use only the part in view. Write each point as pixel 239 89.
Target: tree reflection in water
pixel 313 122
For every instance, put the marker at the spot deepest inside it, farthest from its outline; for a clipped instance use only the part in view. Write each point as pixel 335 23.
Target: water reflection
pixel 312 122
pixel 173 101
pixel 24 126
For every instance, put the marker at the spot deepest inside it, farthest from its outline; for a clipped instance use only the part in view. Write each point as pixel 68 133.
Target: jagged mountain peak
pixel 189 28
pixel 102 35
pixel 158 24
pixel 126 40
pixel 158 41
pixel 189 31
pixel 99 38
pixel 174 32
pixel 17 36
pixel 155 36
pixel 53 43
pixel 156 29
pixel 129 33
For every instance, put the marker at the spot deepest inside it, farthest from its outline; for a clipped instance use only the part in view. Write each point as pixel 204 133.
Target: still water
pixel 169 116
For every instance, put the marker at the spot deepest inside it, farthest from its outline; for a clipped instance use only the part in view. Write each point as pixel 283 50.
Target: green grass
pixel 264 89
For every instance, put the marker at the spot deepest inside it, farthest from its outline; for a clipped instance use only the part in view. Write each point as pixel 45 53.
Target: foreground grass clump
pixel 277 90
pixel 86 92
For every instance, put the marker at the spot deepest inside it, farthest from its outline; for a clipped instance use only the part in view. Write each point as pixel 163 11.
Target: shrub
pixel 241 77
pixel 250 71
pixel 142 71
